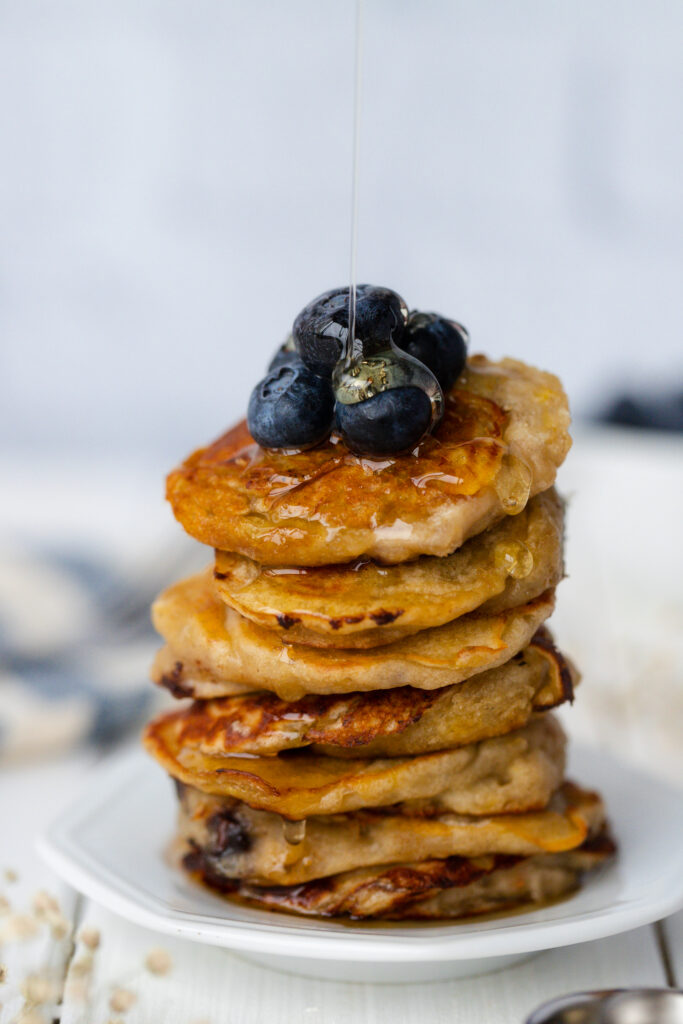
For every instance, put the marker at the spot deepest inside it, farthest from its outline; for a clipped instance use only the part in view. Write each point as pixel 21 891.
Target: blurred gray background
pixel 175 185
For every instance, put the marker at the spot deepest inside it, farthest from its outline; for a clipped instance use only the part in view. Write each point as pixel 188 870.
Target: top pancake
pixel 503 435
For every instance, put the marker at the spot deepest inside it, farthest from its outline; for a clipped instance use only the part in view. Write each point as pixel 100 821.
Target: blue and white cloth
pixel 75 646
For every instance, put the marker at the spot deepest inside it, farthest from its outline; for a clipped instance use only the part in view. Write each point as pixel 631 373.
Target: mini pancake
pixel 434 890
pixel 366 604
pixel 239 842
pixel 503 435
pixel 385 723
pixel 219 652
pixel 508 773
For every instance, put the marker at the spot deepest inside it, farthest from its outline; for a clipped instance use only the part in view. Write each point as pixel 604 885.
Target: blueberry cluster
pixel 382 389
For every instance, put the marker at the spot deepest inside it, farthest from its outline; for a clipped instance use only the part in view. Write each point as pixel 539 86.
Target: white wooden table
pixel 56 970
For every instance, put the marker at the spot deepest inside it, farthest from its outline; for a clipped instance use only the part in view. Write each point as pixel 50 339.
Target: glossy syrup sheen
pixel 366 924
pixel 399 923
pixel 365 604
pixel 504 433
pixel 331 485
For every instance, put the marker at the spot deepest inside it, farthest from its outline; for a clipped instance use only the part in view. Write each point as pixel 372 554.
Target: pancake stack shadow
pixel 372 682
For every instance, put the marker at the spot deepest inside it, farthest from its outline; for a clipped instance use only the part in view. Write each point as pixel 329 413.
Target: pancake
pixel 385 723
pixel 431 890
pixel 212 648
pixel 366 604
pixel 502 437
pixel 238 842
pixel 515 772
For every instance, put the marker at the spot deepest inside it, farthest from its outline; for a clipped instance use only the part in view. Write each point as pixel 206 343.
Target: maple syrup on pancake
pixel 466 453
pixel 366 924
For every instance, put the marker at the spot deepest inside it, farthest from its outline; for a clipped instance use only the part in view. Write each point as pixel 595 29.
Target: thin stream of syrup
pixel 357 86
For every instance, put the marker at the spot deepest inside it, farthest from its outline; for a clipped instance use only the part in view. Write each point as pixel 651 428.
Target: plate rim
pixel 58 846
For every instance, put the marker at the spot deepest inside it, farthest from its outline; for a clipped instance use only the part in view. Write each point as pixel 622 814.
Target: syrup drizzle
pixel 294 831
pixel 357 84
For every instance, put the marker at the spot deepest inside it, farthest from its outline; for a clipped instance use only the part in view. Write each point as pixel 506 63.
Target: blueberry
pixel 386 424
pixel 438 343
pixel 291 408
pixel 286 355
pixel 321 328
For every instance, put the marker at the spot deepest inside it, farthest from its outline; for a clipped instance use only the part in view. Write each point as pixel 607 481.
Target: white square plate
pixel 110 845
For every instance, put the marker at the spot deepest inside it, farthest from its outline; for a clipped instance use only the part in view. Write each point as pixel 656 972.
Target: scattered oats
pixel 90 937
pixel 45 904
pixel 158 961
pixel 60 928
pixel 18 928
pixel 121 1000
pixel 47 909
pixel 39 988
pixel 5 906
pixel 115 1020
pixel 78 978
pixel 11 875
pixel 30 1016
pixel 83 966
pixel 76 989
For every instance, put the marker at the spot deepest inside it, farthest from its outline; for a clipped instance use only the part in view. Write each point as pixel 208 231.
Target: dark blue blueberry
pixel 438 343
pixel 291 408
pixel 321 328
pixel 286 355
pixel 388 423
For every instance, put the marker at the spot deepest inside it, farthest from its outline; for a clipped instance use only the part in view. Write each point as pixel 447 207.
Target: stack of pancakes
pixel 372 681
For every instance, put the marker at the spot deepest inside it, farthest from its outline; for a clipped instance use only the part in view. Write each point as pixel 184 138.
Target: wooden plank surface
pixel 37 910
pixel 211 986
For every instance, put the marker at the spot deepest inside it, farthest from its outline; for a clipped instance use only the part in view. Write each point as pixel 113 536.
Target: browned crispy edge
pixel 408 883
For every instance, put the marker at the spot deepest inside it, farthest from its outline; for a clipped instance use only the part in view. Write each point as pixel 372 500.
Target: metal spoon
pixel 613 1006
pixel 644 1006
pixel 576 1008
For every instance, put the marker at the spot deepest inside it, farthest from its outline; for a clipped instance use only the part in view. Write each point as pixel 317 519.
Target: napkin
pixel 75 645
